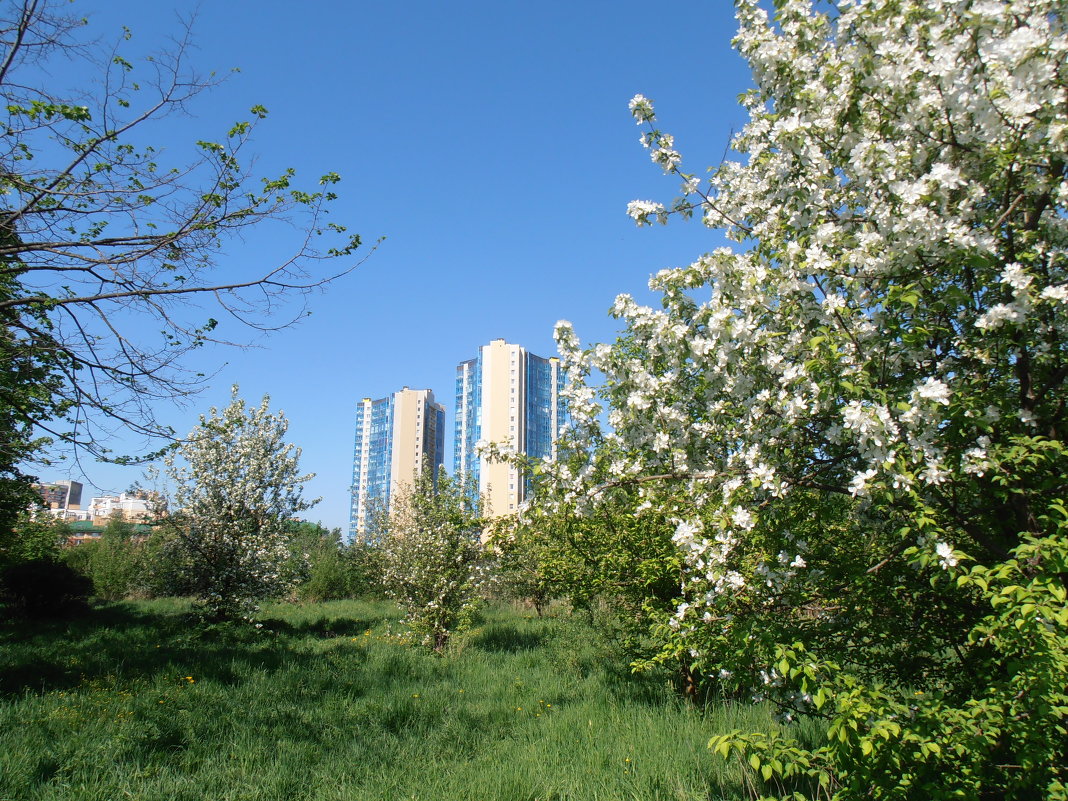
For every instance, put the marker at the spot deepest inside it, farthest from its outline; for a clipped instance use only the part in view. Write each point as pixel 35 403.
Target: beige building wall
pixel 503 374
pixel 496 384
pixel 409 419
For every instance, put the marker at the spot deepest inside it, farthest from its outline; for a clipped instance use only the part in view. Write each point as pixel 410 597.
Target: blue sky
pixel 489 142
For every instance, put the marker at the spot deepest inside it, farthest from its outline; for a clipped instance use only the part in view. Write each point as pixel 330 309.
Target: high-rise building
pixel 64 494
pixel 509 396
pixel 393 437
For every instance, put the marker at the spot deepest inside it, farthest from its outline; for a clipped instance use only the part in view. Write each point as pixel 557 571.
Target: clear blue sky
pixel 489 142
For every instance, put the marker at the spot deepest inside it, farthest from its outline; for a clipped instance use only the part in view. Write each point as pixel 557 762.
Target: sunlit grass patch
pixel 323 702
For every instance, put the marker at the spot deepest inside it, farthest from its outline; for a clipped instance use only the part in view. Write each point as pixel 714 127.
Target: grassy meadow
pixel 325 702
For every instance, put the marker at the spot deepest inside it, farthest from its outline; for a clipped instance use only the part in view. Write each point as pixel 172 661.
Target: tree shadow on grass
pixel 122 642
pixel 325 627
pixel 50 654
pixel 504 638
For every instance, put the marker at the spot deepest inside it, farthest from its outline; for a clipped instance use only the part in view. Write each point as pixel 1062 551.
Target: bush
pixel 326 577
pixel 123 565
pixel 328 570
pixel 365 566
pixel 117 563
pixel 433 556
pixel 43 588
pixel 34 536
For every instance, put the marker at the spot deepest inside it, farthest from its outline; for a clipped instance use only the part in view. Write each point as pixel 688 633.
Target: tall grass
pixel 323 702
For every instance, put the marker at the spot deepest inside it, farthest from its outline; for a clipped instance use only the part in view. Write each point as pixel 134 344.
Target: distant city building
pixel 393 437
pixel 63 494
pixel 129 506
pixel 509 396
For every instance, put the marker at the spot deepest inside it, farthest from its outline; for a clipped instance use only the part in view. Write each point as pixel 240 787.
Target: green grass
pixel 133 701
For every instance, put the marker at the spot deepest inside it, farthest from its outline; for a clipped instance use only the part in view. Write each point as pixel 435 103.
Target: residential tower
pixel 509 396
pixel 395 435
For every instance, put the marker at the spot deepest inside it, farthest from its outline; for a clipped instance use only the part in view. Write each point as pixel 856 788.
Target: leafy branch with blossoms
pixel 863 405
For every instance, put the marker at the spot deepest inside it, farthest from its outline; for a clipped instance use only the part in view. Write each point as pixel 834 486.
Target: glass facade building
pixel 394 435
pixel 468 423
pixel 511 397
pixel 544 406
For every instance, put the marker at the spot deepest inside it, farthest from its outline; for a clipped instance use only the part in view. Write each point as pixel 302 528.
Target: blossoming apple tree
pixel 855 418
pixel 237 485
pixel 433 554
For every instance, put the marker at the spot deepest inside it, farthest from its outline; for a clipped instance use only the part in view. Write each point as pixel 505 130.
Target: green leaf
pixel 820 698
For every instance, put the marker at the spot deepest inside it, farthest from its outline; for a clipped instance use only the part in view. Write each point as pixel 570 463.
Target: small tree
pixel 522 571
pixel 432 555
pixel 234 496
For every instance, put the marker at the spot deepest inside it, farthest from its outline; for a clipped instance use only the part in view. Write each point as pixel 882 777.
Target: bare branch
pixel 99 235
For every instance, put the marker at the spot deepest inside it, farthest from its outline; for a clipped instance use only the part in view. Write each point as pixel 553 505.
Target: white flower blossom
pixel 999 314
pixel 946 558
pixel 1014 276
pixel 1056 293
pixel 644 211
pixel 641 108
pixel 742 518
pixel 858 485
pixel 933 389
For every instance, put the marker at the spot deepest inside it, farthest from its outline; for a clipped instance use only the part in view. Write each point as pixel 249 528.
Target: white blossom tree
pixel 856 419
pixel 237 485
pixel 433 554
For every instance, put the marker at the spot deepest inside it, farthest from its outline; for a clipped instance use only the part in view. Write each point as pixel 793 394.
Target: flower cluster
pixel 895 321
